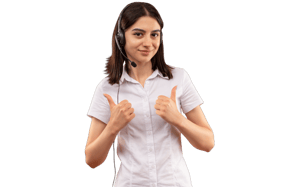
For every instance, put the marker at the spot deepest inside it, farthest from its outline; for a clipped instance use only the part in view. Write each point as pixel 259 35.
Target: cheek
pixel 130 47
pixel 156 50
pixel 133 45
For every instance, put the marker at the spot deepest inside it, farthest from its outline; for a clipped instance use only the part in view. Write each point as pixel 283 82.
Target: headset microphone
pixel 133 64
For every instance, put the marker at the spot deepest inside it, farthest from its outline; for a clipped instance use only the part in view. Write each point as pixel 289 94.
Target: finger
pixel 110 100
pixel 157 106
pixel 173 94
pixel 127 105
pixel 130 111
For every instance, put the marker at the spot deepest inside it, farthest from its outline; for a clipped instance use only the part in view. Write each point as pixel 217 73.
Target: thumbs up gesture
pixel 121 114
pixel 167 108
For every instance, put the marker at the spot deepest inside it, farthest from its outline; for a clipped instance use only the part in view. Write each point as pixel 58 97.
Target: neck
pixel 141 72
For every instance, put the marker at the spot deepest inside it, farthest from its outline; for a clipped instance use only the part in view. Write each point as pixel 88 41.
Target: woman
pixel 148 120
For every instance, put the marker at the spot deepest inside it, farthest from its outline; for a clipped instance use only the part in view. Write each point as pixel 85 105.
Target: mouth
pixel 145 52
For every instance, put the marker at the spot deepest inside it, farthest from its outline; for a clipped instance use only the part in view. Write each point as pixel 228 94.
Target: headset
pixel 120 39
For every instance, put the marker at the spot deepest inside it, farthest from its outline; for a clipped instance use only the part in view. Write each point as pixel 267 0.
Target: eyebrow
pixel 137 29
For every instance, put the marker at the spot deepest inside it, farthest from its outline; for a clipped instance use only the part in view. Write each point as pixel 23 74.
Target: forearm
pixel 97 151
pixel 199 137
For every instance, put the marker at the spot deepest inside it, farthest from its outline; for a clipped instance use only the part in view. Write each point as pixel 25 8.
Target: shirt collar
pixel 128 78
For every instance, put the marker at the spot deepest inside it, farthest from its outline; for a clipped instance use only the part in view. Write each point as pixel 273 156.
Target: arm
pixel 196 129
pixel 97 151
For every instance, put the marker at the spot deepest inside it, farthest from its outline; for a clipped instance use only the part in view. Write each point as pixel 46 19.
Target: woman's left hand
pixel 167 108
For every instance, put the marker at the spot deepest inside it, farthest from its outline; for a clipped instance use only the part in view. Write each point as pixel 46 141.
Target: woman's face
pixel 138 40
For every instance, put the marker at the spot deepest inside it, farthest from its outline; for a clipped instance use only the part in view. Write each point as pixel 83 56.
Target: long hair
pixel 131 14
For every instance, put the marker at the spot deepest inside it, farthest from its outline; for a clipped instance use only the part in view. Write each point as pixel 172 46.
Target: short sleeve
pixel 190 98
pixel 99 107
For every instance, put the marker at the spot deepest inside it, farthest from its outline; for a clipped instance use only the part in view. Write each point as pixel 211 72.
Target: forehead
pixel 146 23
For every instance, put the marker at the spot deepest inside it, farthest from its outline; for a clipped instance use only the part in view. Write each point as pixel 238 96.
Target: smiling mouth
pixel 145 52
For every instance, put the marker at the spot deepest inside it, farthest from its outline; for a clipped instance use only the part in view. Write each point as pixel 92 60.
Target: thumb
pixel 173 94
pixel 110 100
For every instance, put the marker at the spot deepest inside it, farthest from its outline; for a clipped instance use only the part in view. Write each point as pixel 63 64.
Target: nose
pixel 147 41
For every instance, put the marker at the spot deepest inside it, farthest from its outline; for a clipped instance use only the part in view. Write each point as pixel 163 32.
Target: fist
pixel 121 114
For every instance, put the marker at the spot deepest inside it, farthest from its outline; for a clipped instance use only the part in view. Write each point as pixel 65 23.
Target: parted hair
pixel 131 14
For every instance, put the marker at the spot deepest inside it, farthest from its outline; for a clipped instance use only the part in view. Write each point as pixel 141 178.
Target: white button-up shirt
pixel 148 147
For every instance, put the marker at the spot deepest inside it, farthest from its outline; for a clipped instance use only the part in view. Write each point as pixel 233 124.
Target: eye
pixel 156 34
pixel 137 33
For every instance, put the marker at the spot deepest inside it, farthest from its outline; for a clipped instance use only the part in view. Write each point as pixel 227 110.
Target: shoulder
pixel 177 72
pixel 103 85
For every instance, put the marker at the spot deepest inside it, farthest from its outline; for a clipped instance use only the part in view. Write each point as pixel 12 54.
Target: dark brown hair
pixel 131 14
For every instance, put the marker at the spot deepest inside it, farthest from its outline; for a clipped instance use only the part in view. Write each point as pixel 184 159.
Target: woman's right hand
pixel 121 114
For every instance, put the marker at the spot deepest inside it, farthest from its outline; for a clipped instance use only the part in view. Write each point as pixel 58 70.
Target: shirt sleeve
pixel 99 107
pixel 190 98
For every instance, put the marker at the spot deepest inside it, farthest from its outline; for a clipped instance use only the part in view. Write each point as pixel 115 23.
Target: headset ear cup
pixel 121 38
pixel 118 37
